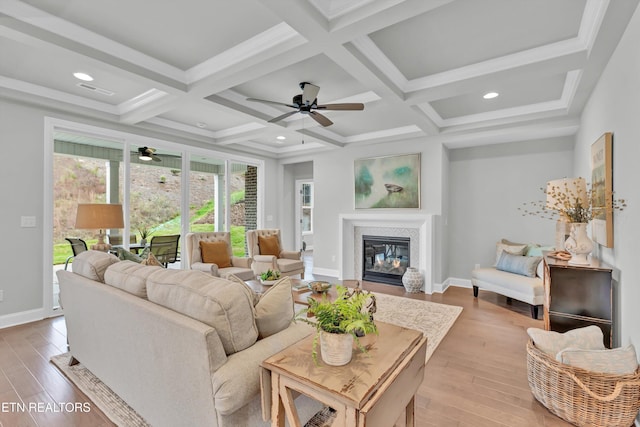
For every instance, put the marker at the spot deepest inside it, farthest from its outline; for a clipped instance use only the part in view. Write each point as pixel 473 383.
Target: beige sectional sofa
pixel 181 347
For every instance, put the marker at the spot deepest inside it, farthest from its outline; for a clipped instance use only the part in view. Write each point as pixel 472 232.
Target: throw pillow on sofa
pixel 217 302
pixel 618 361
pixel 518 264
pixel 551 342
pixel 275 310
pixel 510 247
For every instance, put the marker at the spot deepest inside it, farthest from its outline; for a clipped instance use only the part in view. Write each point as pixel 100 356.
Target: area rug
pixel 433 319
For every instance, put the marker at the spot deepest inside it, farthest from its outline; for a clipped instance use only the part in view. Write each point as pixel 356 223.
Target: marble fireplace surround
pixel 419 228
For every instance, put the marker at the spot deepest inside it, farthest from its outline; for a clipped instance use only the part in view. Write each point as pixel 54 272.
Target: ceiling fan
pixel 307 103
pixel 147 154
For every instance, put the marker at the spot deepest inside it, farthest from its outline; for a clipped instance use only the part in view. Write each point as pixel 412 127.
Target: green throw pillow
pixel 125 255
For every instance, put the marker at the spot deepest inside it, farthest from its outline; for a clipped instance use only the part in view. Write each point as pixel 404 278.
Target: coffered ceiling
pixel 421 67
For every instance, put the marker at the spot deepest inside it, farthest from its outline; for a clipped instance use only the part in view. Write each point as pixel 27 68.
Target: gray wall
pixel 334 191
pixel 614 106
pixel 486 187
pixel 21 187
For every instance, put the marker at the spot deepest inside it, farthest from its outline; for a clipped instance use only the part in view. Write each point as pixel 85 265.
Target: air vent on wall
pixel 96 89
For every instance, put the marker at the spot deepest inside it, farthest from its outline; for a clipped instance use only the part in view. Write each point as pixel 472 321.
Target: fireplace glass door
pixel 385 259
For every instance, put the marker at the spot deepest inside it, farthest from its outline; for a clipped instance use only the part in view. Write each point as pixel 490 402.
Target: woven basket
pixel 582 397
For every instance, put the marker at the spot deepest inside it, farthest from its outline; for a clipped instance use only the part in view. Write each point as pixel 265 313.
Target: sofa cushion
pixel 219 303
pixel 551 342
pixel 215 253
pixel 269 245
pixel 538 250
pixel 618 361
pixel 275 310
pixel 518 264
pixel 129 276
pixel 92 264
pixel 531 286
pixel 510 247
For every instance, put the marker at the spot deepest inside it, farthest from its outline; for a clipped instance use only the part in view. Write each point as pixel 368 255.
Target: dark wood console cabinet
pixel 577 296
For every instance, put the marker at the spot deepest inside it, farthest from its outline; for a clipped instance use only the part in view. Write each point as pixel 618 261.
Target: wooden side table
pixel 374 389
pixel 578 296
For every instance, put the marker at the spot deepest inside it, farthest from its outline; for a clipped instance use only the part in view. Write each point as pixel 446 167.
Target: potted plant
pixel 144 233
pixel 269 277
pixel 339 323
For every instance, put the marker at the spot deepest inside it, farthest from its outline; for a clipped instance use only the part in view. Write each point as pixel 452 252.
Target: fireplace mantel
pixel 349 248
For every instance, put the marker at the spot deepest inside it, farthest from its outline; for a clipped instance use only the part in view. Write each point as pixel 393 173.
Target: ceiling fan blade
pixel 284 116
pixel 345 106
pixel 264 101
pixel 320 118
pixel 156 158
pixel 309 93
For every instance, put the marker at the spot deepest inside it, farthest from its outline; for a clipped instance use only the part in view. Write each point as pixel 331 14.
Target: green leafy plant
pixel 350 313
pixel 144 231
pixel 270 275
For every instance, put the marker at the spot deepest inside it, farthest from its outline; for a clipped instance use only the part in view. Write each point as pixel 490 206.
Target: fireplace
pixel 384 258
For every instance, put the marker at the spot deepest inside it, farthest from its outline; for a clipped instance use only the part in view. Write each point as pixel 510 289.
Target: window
pixel 306 194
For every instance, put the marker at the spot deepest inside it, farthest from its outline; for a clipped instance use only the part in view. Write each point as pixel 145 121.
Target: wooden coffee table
pixel 299 296
pixel 374 389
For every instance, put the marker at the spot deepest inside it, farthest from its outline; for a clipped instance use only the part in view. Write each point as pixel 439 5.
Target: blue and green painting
pixel 388 182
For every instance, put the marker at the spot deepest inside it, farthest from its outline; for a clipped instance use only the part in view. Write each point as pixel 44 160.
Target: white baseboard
pixel 461 283
pixel 325 272
pixel 22 317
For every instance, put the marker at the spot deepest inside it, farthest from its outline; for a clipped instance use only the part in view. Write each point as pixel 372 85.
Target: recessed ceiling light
pixel 491 95
pixel 201 125
pixel 83 76
pixel 281 137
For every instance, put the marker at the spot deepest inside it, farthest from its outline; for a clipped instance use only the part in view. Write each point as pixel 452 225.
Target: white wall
pixel 614 106
pixel 486 187
pixel 334 191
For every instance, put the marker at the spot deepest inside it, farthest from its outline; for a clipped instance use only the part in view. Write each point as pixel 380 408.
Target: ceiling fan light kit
pixel 147 154
pixel 307 103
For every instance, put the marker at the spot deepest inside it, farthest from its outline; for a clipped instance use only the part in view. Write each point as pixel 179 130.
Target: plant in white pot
pixel 339 323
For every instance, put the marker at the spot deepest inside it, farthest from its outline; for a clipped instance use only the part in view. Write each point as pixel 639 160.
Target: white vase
pixel 412 280
pixel 579 245
pixel 336 349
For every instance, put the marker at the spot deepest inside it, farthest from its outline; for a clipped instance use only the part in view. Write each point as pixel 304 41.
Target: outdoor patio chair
pixel 165 248
pixel 77 246
pixel 117 239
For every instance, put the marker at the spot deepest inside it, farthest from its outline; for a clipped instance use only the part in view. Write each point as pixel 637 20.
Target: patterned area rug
pixel 433 319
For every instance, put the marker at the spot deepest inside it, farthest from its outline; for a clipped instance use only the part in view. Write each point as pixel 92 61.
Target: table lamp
pixel 560 195
pixel 99 216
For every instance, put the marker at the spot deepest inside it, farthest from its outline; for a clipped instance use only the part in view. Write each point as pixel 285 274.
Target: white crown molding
pixel 159 121
pixel 275 36
pixel 592 18
pixel 141 100
pixel 77 34
pixel 409 131
pixel 56 95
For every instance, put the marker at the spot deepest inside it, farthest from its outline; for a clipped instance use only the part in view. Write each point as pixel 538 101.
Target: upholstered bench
pixel 511 285
pixel 517 274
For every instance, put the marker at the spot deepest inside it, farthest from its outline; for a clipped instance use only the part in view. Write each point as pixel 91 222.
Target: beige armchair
pixel 211 252
pixel 270 255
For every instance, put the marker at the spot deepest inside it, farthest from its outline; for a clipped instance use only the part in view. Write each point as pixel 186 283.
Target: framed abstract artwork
pixel 602 190
pixel 387 182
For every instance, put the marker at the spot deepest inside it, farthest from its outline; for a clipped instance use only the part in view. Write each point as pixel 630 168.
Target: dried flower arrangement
pixel 571 199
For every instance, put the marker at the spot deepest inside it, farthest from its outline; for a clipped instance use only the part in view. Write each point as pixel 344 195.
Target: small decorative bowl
pixel 319 286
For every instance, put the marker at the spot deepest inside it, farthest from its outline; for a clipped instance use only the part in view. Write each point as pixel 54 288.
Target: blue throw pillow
pixel 518 264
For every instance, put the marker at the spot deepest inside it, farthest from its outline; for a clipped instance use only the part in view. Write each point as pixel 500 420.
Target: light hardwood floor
pixel 477 376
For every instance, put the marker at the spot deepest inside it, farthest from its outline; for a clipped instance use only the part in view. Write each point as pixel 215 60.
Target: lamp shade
pixel 566 192
pixel 99 216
